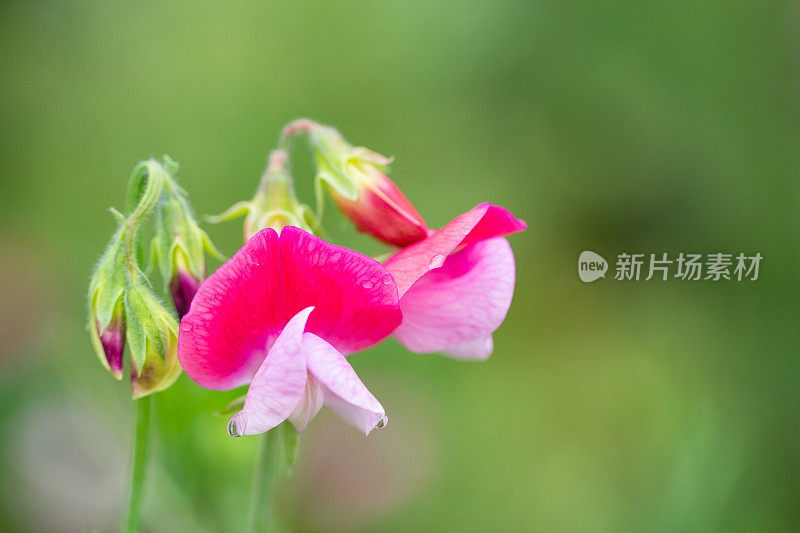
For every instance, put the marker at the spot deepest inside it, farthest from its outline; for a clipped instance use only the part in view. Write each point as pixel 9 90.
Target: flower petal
pixel 355 297
pixel 241 308
pixel 484 221
pixel 463 301
pixel 344 392
pixel 310 404
pixel 279 384
pixel 479 348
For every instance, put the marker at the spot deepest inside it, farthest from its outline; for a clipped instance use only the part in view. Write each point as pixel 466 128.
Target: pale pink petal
pixel 479 348
pixel 344 392
pixel 481 222
pixel 466 298
pixel 309 405
pixel 241 308
pixel 278 386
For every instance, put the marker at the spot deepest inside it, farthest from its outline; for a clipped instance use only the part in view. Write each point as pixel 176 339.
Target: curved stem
pixel 264 479
pixel 155 176
pixel 302 125
pixel 141 432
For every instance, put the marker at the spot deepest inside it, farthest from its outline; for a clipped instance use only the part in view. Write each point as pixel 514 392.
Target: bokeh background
pixel 611 406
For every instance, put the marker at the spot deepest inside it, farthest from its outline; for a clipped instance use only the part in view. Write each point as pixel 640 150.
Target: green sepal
pixel 149 322
pixel 108 281
pixel 135 334
pixel 119 217
pixel 337 181
pixel 136 187
pixel 237 210
pixel 210 248
pixel 180 244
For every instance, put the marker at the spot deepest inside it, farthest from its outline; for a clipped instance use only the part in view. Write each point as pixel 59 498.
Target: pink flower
pixel 456 285
pixel 281 315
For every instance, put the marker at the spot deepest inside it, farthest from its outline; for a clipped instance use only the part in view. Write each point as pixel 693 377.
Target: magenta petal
pixel 241 308
pixel 355 297
pixel 484 221
pixel 496 222
pixel 113 341
pixel 183 287
pixel 344 392
pixel 279 384
pixel 454 308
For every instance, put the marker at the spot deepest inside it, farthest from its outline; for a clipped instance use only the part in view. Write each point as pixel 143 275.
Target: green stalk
pixel 141 432
pixel 264 479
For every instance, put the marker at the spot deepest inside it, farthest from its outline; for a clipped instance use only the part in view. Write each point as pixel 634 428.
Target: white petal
pixel 343 391
pixel 278 386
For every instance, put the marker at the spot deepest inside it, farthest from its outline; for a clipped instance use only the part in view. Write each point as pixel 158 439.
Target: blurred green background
pixel 611 406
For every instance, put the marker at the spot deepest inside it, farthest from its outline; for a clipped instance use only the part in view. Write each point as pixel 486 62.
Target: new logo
pixel 591 266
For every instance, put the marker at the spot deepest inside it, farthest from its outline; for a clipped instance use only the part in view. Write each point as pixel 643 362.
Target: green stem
pixel 140 439
pixel 264 479
pixel 294 128
pixel 155 176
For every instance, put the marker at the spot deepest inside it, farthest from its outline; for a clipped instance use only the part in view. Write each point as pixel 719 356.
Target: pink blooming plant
pixel 284 312
pixel 280 315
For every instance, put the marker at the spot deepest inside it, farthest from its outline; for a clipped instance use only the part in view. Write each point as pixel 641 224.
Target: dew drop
pixel 232 430
pixel 367 284
pixel 436 261
pixel 388 279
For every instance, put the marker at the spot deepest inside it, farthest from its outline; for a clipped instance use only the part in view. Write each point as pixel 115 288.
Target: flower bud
pixel 183 285
pixel 106 311
pixel 355 178
pixel 179 247
pixel 152 336
pixel 274 205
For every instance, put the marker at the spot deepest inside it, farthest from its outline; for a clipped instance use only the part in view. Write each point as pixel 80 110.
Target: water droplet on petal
pixel 232 429
pixel 382 423
pixel 436 261
pixel 388 279
pixel 367 284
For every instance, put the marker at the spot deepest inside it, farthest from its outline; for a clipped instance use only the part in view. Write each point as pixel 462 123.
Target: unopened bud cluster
pixel 123 309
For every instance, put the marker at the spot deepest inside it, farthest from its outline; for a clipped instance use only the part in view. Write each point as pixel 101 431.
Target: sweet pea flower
pixel 281 315
pixel 456 285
